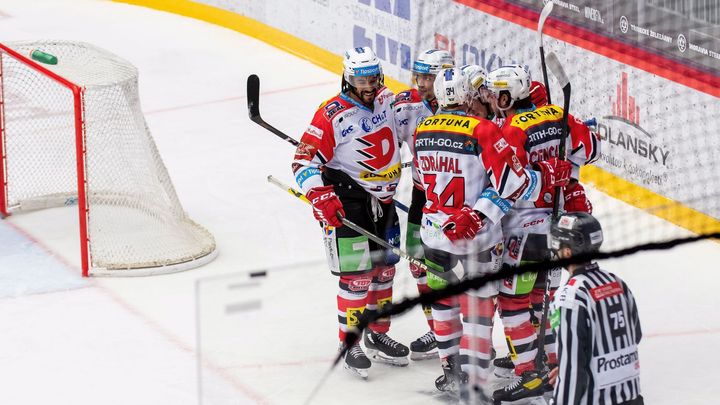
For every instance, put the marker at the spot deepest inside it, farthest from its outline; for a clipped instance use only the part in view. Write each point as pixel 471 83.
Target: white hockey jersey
pixel 410 110
pixel 462 161
pixel 347 136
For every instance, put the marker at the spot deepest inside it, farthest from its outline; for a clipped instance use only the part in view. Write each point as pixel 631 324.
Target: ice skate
pixel 504 367
pixel 424 347
pixel 382 348
pixel 356 362
pixel 452 377
pixel 529 384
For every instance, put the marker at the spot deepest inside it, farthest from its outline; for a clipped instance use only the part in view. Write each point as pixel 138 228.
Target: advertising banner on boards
pixel 658 133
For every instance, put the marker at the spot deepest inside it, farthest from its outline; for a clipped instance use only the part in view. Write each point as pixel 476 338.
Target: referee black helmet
pixel 579 231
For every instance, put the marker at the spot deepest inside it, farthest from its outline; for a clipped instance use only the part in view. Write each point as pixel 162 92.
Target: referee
pixel 596 321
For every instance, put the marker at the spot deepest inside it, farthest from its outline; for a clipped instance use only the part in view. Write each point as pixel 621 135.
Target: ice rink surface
pixel 69 340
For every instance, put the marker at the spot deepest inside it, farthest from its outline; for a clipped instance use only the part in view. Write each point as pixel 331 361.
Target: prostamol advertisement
pixel 657 133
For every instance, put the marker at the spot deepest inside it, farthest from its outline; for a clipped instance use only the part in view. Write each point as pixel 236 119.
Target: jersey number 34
pixel 452 196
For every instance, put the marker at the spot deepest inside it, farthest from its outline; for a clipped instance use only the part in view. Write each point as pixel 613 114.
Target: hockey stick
pixel 560 75
pixel 353 226
pixel 297 194
pixel 253 99
pixel 541 23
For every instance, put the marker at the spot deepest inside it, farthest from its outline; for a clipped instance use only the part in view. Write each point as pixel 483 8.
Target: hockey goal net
pixel 72 132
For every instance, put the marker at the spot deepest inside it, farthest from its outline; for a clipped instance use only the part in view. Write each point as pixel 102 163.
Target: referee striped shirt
pixel 598 330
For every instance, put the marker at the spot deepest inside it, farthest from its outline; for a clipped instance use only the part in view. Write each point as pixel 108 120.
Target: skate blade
pixel 451 388
pixel 362 373
pixel 538 400
pixel 429 355
pixel 505 373
pixel 377 356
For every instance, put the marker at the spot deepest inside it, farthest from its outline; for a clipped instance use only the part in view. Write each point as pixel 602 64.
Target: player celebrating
pixel 348 164
pixel 461 161
pixel 446 312
pixel 477 104
pixel 574 193
pixel 598 328
pixel 411 108
pixel 535 133
pixel 575 200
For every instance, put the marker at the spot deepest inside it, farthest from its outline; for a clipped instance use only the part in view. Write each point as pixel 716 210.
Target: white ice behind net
pixel 135 218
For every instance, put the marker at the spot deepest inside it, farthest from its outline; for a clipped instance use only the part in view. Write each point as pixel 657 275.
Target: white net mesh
pixel 135 220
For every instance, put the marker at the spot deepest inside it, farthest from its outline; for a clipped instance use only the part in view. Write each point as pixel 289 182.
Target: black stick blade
pixel 253 96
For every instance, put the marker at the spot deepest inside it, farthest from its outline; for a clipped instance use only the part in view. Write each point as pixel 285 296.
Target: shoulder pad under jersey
pixel 551 107
pixel 385 95
pixel 332 107
pixel 407 96
pixel 524 120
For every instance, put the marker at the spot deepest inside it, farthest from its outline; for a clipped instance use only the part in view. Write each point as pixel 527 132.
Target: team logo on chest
pixel 419 120
pixel 366 124
pixel 379 150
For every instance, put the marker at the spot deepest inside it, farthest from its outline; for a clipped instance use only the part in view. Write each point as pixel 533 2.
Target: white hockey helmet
pixel 451 87
pixel 476 76
pixel 432 60
pixel 514 79
pixel 361 62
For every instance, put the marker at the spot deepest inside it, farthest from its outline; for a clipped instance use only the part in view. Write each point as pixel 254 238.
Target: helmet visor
pixel 366 82
pixel 566 237
pixel 361 71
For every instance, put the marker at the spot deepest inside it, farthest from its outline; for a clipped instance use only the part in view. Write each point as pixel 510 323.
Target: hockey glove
pixel 326 205
pixel 575 198
pixel 463 224
pixel 538 94
pixel 555 173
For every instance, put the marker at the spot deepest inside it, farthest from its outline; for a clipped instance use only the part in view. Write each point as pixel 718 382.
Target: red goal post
pixel 73 132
